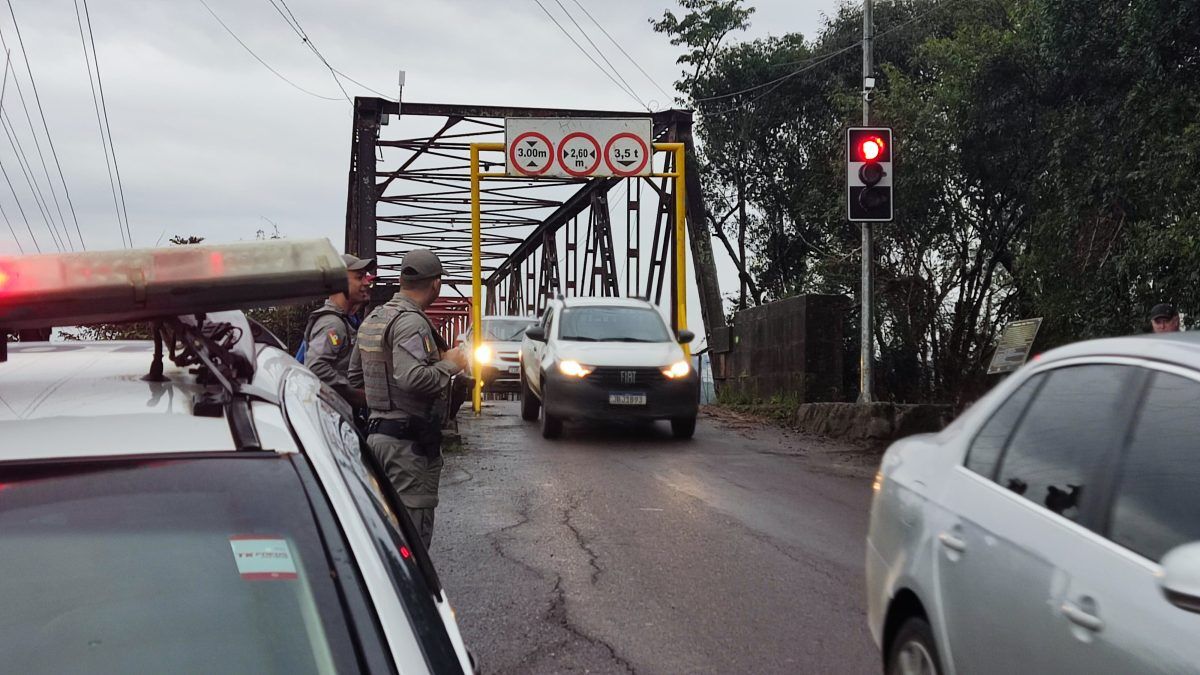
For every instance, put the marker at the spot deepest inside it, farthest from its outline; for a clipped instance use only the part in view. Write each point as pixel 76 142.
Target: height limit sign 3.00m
pixel 578 148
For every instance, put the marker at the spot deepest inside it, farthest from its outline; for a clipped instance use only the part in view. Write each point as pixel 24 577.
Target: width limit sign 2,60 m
pixel 578 148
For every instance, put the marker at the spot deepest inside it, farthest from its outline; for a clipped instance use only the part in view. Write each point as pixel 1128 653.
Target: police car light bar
pixel 73 289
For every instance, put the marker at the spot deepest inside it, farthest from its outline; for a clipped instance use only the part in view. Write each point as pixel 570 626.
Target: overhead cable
pixel 266 65
pixel 585 52
pixel 45 125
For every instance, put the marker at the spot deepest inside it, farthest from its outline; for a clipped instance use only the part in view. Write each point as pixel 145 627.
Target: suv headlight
pixel 572 369
pixel 677 370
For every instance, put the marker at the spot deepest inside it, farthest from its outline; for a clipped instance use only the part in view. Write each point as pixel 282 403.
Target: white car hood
pixel 634 354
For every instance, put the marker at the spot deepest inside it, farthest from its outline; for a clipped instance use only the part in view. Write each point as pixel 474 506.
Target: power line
pixel 351 79
pixel 3 87
pixel 622 49
pixel 816 61
pixel 813 62
pixel 585 53
pixel 104 107
pixel 587 37
pixel 30 178
pixel 45 125
pixel 259 59
pixel 29 174
pixel 294 23
pixel 125 243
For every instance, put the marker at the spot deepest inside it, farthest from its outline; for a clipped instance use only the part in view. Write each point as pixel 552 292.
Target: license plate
pixel 514 370
pixel 627 399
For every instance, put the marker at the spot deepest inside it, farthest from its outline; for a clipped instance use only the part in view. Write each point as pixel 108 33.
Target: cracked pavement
pixel 617 549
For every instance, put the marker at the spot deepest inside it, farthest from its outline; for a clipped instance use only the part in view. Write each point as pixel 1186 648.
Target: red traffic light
pixel 871 148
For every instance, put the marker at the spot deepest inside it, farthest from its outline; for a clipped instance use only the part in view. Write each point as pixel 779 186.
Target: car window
pixel 161 565
pixel 1064 434
pixel 985 450
pixel 613 324
pixel 1156 501
pixel 505 330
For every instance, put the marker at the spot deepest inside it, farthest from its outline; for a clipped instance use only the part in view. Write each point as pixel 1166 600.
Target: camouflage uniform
pixel 330 340
pixel 397 359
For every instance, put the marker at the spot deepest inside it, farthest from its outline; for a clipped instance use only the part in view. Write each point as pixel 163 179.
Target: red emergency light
pixel 71 289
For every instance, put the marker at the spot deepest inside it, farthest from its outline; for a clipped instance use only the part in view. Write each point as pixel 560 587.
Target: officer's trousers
pixel 415 478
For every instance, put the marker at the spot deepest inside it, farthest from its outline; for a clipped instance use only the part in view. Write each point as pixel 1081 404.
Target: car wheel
pixel 683 427
pixel 529 403
pixel 551 426
pixel 913 651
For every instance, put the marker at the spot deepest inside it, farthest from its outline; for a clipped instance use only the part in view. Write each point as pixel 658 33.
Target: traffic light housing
pixel 869 174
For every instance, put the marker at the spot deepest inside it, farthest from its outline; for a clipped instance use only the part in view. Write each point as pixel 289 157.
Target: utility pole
pixel 867 347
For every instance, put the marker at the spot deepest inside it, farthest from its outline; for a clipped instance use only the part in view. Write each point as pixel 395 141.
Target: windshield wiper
pixel 626 339
pixel 579 338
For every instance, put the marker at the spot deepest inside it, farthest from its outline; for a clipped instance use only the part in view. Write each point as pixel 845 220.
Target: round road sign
pixel 531 153
pixel 579 154
pixel 626 154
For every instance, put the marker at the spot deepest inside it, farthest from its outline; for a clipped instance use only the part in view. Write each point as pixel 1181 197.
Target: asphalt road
pixel 618 549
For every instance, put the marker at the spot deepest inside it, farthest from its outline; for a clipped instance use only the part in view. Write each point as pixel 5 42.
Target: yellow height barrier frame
pixel 477 250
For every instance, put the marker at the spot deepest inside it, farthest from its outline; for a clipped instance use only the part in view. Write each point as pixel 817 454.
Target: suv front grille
pixel 617 377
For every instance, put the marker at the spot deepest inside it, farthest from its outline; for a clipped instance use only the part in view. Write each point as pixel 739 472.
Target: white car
pixel 201 502
pixel 604 359
pixel 1053 527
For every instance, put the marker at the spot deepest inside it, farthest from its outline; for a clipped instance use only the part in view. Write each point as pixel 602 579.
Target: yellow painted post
pixel 679 175
pixel 477 269
pixel 681 238
pixel 476 284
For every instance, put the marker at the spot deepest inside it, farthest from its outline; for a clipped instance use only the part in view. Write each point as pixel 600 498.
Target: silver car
pixel 499 351
pixel 1053 527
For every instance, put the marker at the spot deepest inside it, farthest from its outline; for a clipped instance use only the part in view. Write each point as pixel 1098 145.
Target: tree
pixel 1043 167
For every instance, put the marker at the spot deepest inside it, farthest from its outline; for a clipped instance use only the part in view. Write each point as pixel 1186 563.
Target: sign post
pixel 574 148
pixel 1012 350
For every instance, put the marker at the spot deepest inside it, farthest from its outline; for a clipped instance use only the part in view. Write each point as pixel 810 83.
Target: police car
pixel 198 502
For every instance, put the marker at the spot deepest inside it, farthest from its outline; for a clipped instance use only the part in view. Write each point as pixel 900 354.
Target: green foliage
pixel 700 30
pixel 1044 158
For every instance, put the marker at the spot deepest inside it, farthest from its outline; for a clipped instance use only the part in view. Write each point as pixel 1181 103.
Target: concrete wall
pixel 789 348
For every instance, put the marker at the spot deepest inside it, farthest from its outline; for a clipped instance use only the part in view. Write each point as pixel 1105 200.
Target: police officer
pixel 329 334
pixel 405 368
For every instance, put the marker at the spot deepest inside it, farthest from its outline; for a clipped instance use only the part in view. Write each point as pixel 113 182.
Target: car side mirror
pixel 1180 580
pixel 685 336
pixel 537 333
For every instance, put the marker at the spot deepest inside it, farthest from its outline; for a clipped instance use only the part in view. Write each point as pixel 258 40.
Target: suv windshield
pixel 613 324
pixel 505 330
pixel 166 566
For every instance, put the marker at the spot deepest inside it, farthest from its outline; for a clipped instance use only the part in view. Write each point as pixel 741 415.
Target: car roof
pixel 608 302
pixel 73 399
pixel 1181 348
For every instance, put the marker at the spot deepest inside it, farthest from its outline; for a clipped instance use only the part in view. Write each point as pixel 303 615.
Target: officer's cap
pixel 420 264
pixel 1163 310
pixel 354 263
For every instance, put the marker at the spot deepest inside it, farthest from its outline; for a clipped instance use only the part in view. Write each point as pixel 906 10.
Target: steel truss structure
pixel 540 238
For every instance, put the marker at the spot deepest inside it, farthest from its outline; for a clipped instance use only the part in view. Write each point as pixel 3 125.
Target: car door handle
pixel 1081 617
pixel 952 542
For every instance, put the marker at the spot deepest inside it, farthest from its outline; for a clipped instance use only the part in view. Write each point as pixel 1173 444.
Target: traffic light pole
pixel 867 346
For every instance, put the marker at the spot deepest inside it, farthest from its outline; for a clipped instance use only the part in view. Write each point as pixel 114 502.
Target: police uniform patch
pixel 334 339
pixel 428 344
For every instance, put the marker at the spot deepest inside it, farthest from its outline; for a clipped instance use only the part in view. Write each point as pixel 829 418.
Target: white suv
pixel 606 358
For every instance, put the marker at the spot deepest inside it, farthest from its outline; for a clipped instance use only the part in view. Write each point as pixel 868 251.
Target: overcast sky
pixel 209 142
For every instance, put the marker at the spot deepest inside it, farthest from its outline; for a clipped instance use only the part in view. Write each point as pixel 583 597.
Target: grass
pixel 779 408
